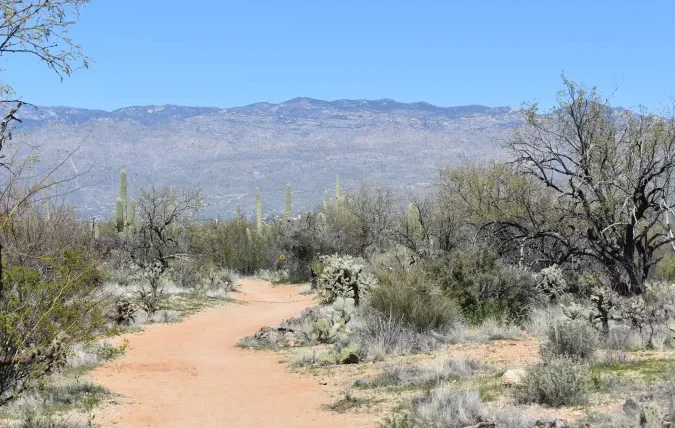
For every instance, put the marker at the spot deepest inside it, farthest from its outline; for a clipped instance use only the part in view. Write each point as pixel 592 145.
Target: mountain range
pixel 229 152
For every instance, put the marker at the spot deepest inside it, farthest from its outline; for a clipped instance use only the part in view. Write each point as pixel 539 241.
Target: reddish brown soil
pixel 190 374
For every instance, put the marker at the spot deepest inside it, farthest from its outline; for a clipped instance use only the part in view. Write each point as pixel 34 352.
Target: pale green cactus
pixel 258 210
pixel 48 213
pixel 97 232
pixel 287 213
pixel 237 214
pixel 123 194
pixel 326 201
pixel 119 215
pixel 249 238
pixel 123 218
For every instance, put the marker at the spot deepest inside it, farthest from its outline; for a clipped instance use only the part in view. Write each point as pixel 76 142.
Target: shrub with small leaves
pixel 556 382
pixel 574 339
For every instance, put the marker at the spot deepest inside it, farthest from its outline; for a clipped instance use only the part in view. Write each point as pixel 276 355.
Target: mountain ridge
pixel 229 152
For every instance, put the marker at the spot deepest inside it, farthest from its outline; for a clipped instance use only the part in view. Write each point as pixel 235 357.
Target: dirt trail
pixel 190 374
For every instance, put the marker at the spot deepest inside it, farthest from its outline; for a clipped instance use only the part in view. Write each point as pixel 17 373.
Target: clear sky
pixel 228 53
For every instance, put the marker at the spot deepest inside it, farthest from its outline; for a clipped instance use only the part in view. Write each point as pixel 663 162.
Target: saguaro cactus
pixel 119 215
pixel 326 201
pixel 123 193
pixel 258 210
pixel 124 218
pixel 94 227
pixel 238 214
pixel 249 238
pixel 288 203
pixel 337 189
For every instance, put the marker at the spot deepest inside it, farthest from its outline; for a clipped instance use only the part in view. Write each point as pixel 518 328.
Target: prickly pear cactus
pixel 344 308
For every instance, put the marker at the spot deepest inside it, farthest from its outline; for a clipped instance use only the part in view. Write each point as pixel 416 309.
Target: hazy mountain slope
pixel 228 152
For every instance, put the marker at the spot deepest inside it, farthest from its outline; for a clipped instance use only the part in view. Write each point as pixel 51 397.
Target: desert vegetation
pixel 537 291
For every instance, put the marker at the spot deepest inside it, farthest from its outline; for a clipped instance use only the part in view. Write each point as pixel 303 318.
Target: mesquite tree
pixel 37 29
pixel 611 173
pixel 157 237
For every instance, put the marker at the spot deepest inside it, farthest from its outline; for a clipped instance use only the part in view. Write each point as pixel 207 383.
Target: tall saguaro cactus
pixel 238 214
pixel 119 215
pixel 337 189
pixel 325 202
pixel 258 210
pixel 288 203
pixel 123 193
pixel 123 218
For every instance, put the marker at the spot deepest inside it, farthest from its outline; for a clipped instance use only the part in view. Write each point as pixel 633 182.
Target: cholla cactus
pixel 343 276
pixel 551 282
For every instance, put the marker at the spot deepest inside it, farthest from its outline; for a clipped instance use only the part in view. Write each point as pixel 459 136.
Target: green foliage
pixel 573 339
pixel 231 245
pixel 408 295
pixel 43 312
pixel 665 269
pixel 483 286
pixel 556 382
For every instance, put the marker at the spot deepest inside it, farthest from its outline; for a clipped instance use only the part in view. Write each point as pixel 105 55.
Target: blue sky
pixel 227 53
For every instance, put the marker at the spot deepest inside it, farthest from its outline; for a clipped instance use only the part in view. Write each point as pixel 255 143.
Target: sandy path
pixel 190 374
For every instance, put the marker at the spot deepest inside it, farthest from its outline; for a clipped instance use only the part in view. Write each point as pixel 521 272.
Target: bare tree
pixel 611 173
pixel 157 239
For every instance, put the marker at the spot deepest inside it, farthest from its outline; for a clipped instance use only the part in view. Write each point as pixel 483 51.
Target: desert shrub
pixel 652 313
pixel 556 382
pixel 185 272
pixel 383 334
pixel 409 296
pixel 665 269
pixel 447 408
pixel 227 245
pixel 482 286
pixel 43 312
pixel 623 338
pixel 343 276
pixel 574 339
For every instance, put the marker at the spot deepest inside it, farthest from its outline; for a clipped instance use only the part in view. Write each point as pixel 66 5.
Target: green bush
pixel 407 295
pixel 482 286
pixel 43 312
pixel 556 382
pixel 574 339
